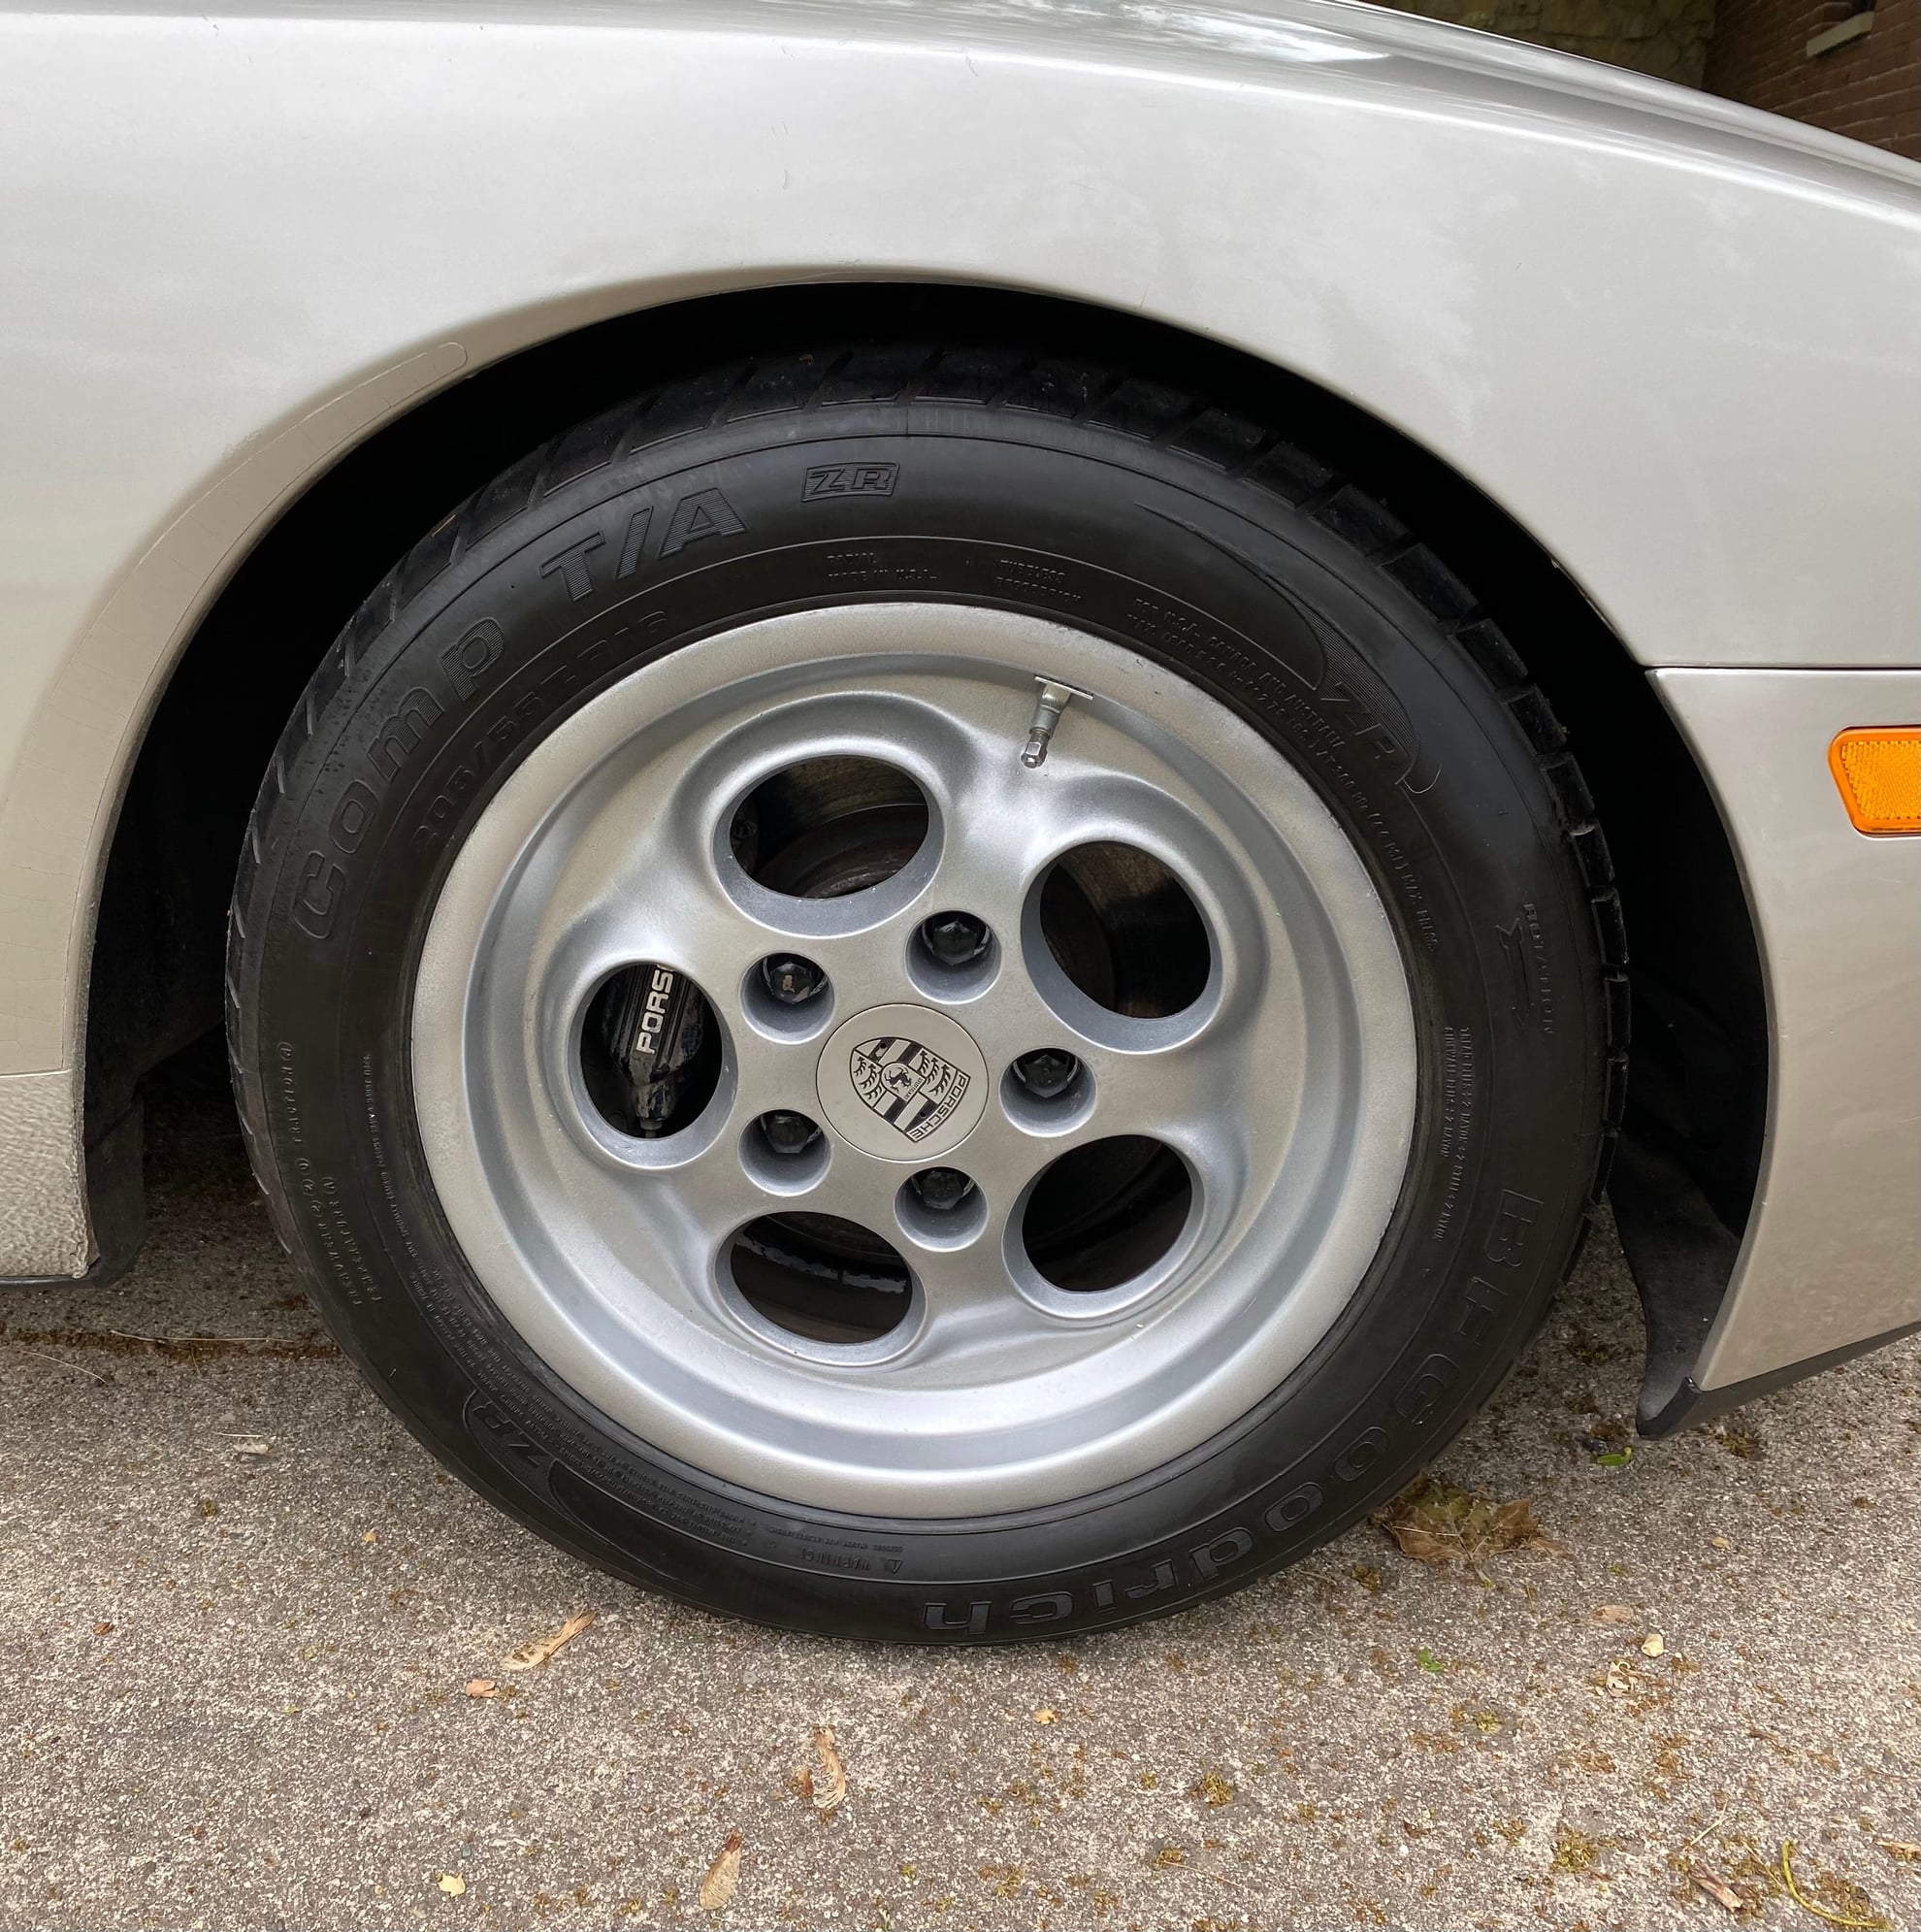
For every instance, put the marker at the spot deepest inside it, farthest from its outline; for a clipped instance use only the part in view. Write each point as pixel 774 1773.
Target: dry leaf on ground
pixel 723 1876
pixel 452 1883
pixel 828 1785
pixel 528 1655
pixel 1654 1644
pixel 1438 1522
pixel 1610 1613
pixel 482 1687
pixel 1718 1889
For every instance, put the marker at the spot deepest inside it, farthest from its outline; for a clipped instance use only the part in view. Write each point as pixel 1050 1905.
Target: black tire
pixel 1150 517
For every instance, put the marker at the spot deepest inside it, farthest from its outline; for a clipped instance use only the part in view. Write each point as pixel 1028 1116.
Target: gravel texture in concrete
pixel 239 1609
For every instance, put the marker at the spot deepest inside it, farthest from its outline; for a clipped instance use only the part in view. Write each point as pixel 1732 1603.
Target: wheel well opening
pixel 1698 1092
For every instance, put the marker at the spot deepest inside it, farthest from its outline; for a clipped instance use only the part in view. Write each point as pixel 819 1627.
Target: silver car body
pixel 1679 343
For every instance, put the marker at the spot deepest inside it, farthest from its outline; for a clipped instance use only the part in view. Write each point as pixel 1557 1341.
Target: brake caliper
pixel 654 1026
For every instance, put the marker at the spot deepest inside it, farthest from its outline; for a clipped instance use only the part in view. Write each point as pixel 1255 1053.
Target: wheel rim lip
pixel 673 1383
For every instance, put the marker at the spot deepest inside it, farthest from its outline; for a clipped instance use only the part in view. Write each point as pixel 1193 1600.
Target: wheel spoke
pixel 699 1206
pixel 1010 822
pixel 976 1318
pixel 653 900
pixel 1200 1098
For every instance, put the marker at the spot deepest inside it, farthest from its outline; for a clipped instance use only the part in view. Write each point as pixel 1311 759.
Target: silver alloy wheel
pixel 1286 1089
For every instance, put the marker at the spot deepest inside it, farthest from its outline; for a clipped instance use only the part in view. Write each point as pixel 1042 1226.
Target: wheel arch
pixel 1697 1104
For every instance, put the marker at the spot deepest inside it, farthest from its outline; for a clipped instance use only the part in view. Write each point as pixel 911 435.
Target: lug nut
pixel 789 1133
pixel 1047 1073
pixel 955 938
pixel 942 1188
pixel 789 979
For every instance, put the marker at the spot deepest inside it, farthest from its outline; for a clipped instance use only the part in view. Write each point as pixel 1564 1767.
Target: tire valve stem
pixel 1048 707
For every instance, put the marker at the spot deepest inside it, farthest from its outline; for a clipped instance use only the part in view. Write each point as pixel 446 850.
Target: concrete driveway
pixel 239 1607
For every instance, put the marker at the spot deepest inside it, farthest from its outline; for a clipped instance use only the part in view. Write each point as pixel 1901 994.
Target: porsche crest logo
pixel 908 1085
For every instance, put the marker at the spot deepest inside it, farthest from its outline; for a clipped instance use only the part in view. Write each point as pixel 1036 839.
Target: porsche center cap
pixel 902 1083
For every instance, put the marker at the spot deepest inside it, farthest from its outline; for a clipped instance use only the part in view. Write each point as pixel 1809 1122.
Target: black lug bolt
pixel 1046 1072
pixel 788 1133
pixel 942 1188
pixel 955 938
pixel 790 979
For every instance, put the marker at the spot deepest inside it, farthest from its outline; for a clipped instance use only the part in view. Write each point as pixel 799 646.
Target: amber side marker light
pixel 1877 768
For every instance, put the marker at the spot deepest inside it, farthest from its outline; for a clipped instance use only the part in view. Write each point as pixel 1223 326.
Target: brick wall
pixel 1755 51
pixel 1665 38
pixel 1868 84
